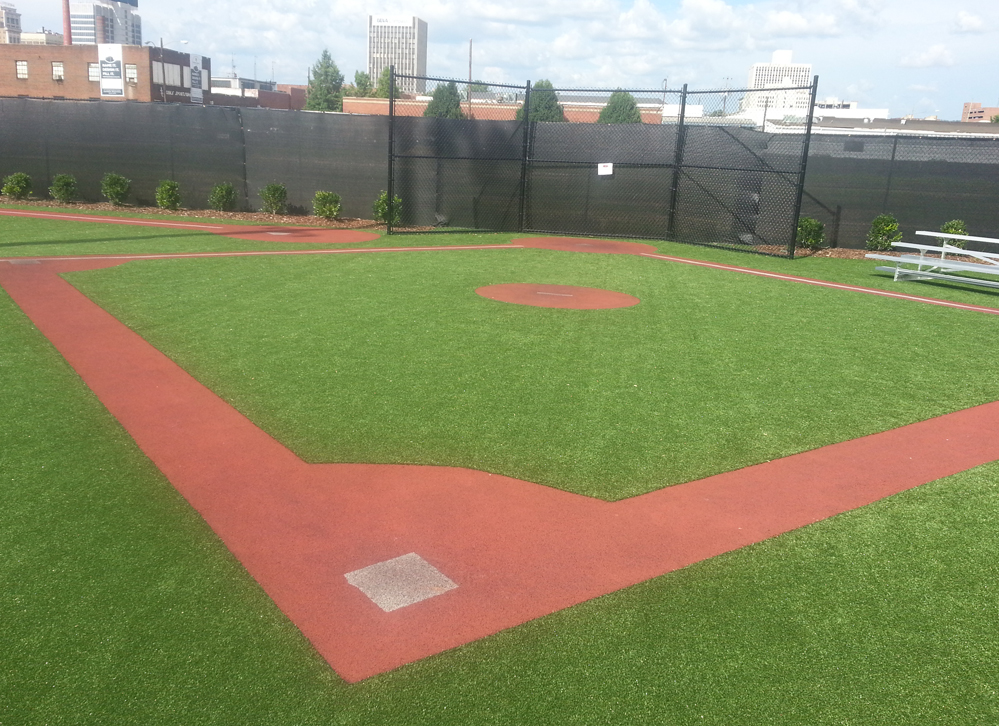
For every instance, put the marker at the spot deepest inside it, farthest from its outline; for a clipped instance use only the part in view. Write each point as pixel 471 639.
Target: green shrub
pixel 168 195
pixel 17 185
pixel 811 233
pixel 884 231
pixel 954 226
pixel 382 208
pixel 275 198
pixel 326 205
pixel 63 188
pixel 222 197
pixel 115 188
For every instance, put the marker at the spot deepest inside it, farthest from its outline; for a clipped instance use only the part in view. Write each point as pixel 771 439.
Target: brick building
pixel 74 72
pixel 974 112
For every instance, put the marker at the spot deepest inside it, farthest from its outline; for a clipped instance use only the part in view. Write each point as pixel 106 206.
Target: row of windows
pixel 93 71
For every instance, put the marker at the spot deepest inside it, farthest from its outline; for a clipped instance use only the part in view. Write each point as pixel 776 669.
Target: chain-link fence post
pixel 802 167
pixel 391 151
pixel 677 163
pixel 891 172
pixel 526 157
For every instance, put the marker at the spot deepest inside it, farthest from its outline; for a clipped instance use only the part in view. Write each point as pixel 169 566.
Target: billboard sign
pixel 196 88
pixel 109 58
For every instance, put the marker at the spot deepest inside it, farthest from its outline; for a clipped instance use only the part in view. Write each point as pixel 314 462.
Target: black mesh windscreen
pixel 923 181
pixel 145 142
pixel 310 152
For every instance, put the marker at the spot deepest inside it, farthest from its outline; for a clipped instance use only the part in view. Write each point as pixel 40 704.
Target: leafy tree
pixel 325 85
pixel 544 104
pixel 620 109
pixel 362 84
pixel 446 102
pixel 382 89
pixel 994 119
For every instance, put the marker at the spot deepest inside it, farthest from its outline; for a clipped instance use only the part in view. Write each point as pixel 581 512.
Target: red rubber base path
pixel 517 550
pixel 568 297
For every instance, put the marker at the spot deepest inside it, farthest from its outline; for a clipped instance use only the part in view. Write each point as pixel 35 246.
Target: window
pixel 22 69
pixel 171 74
pixel 58 73
pixel 158 73
pixel 131 73
pixel 186 76
pixel 94 72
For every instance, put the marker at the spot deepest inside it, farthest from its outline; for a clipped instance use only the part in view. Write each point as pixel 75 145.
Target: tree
pixel 544 104
pixel 325 85
pixel 446 102
pixel 994 119
pixel 620 109
pixel 382 89
pixel 362 84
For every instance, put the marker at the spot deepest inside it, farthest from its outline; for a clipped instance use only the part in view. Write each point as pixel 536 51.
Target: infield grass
pixel 120 606
pixel 393 358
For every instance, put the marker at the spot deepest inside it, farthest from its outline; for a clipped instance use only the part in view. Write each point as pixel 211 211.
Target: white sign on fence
pixel 112 69
pixel 605 169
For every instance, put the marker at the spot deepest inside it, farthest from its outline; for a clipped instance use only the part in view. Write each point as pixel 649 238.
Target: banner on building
pixel 196 87
pixel 109 58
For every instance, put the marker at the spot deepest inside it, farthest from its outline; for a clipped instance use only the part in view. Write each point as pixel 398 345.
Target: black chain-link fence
pixel 647 163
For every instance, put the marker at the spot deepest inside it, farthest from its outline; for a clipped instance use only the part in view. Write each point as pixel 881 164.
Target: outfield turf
pixel 120 605
pixel 393 358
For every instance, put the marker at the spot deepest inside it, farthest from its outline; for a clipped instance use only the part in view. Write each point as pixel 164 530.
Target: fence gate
pixel 703 167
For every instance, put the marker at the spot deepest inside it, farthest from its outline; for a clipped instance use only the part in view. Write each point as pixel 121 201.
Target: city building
pixel 834 108
pixel 780 85
pixel 10 24
pixel 42 37
pixel 105 21
pixel 399 42
pixel 250 93
pixel 118 73
pixel 973 112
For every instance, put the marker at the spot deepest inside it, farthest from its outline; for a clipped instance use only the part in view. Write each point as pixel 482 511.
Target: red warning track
pixel 516 550
pixel 558 296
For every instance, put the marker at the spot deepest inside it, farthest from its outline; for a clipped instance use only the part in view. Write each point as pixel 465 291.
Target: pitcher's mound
pixel 558 296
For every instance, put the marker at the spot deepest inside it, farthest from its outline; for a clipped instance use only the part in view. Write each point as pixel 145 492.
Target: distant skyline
pixel 912 56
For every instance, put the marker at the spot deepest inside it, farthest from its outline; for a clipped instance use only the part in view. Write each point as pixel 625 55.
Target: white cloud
pixel 968 23
pixel 935 56
pixel 785 23
pixel 923 88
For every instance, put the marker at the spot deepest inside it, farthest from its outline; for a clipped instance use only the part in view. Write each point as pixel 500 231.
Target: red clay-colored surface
pixel 304 235
pixel 569 297
pixel 517 550
pixel 583 244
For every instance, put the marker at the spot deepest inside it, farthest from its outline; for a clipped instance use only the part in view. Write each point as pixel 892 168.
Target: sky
pixel 920 57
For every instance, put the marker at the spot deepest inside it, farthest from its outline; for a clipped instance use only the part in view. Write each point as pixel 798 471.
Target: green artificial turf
pixel 393 358
pixel 121 607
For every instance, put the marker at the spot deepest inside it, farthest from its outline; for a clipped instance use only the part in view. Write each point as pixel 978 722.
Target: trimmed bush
pixel 811 233
pixel 16 186
pixel 115 188
pixel 63 188
pixel 168 195
pixel 275 198
pixel 326 205
pixel 954 226
pixel 222 197
pixel 382 208
pixel 884 231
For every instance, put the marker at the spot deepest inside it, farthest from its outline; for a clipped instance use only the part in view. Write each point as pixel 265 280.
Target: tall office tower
pixel 10 24
pixel 399 42
pixel 779 73
pixel 105 21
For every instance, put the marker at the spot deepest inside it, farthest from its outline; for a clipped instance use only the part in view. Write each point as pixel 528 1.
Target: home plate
pixel 401 581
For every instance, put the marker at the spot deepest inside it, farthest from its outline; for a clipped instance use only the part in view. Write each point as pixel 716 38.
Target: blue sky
pixel 911 56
